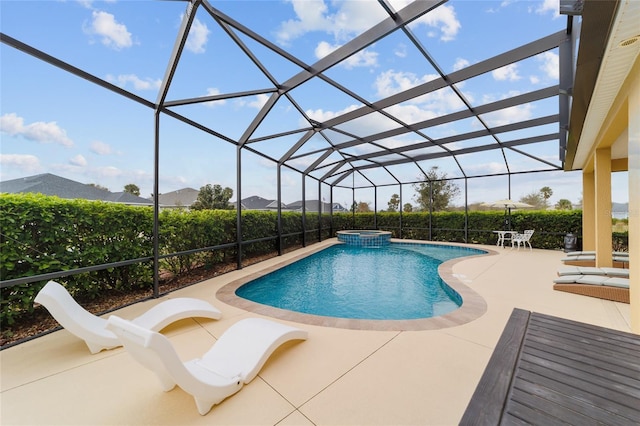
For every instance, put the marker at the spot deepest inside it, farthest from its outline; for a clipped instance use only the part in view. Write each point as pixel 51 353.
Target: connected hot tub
pixel 365 238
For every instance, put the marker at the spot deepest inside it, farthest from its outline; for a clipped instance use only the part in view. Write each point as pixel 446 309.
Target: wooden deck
pixel 547 370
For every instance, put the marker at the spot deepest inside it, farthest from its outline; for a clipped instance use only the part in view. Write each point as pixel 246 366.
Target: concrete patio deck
pixel 337 377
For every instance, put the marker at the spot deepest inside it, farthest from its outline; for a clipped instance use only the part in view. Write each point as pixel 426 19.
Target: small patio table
pixel 502 235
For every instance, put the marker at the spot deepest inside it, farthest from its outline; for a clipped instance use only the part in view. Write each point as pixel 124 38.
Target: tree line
pixel 434 192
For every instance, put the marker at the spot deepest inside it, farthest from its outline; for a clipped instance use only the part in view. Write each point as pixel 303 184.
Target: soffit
pixel 603 26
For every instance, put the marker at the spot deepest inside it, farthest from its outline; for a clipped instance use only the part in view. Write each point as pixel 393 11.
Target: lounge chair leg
pixel 205 405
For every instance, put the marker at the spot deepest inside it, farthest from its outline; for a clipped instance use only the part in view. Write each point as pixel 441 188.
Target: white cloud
pixel 509 115
pixel 108 172
pixel 212 91
pixel 310 17
pixel 400 51
pixel 364 58
pixel 78 160
pixel 101 148
pixel 353 17
pixel 442 18
pixel 86 3
pixel 419 109
pixel 508 72
pixel 486 168
pixel 259 101
pixel 533 79
pixel 391 82
pixel 550 64
pixel 24 162
pixel 321 115
pixel 323 49
pixel 113 34
pixel 123 80
pixel 460 64
pixel 38 131
pixel 198 37
pixel 545 6
pixel 502 5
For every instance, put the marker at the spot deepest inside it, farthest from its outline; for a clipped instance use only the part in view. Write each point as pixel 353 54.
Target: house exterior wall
pixel 634 196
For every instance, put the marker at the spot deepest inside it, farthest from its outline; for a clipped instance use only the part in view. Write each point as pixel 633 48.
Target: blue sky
pixel 54 122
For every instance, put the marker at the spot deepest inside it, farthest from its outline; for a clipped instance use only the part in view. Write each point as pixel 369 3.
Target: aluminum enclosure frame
pixel 334 173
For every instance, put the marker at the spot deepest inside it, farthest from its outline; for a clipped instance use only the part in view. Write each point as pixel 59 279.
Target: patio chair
pixel 235 358
pixel 91 328
pixel 588 258
pixel 522 239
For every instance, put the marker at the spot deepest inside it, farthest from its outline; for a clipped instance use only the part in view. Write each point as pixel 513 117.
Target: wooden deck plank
pixel 585 334
pixel 485 407
pixel 541 406
pixel 523 412
pixel 617 347
pixel 594 330
pixel 565 372
pixel 587 396
pixel 598 356
pixel 594 364
pixel 607 379
pixel 578 387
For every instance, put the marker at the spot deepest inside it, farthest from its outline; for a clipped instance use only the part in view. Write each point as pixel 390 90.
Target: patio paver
pixel 336 377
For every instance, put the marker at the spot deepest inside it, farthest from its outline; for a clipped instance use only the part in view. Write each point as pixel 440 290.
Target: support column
pixel 588 211
pixel 604 239
pixel 634 204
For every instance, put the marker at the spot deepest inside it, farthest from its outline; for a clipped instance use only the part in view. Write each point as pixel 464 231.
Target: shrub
pixel 42 234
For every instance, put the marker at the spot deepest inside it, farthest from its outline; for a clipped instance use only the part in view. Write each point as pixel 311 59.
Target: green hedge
pixel 550 226
pixel 47 234
pixel 43 234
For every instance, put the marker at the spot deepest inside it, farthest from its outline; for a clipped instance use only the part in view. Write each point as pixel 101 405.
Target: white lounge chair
pixel 91 328
pixel 235 358
pixel 584 258
pixel 600 286
pixel 593 280
pixel 593 253
pixel 592 270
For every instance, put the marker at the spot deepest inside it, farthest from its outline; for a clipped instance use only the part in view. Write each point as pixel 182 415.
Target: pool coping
pixel 473 305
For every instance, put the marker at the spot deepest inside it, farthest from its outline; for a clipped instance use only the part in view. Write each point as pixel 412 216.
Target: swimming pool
pixel 396 282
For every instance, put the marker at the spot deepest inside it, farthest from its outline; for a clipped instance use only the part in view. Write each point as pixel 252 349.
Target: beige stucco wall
pixel 623 118
pixel 634 197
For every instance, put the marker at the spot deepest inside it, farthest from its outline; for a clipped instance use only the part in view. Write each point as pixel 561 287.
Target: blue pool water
pixel 399 281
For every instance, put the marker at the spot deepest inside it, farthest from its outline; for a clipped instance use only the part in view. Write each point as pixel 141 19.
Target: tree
pixel 360 207
pixel 539 200
pixel 407 208
pixel 363 207
pixel 535 199
pixel 212 197
pixel 564 204
pixel 546 194
pixel 394 203
pixel 95 185
pixel 443 190
pixel 132 189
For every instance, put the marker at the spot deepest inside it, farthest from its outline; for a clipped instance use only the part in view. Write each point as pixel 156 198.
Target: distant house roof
pixel 182 197
pixel 312 206
pixel 50 184
pixel 256 202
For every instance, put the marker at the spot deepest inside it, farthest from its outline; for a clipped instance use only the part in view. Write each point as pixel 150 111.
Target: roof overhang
pixel 598 118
